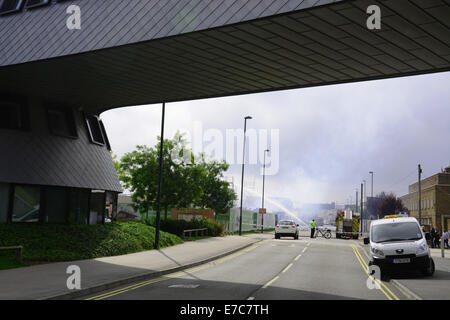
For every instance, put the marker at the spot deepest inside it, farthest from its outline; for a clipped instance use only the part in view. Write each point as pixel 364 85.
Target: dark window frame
pixel 90 131
pixel 43 203
pixel 18 8
pixel 42 199
pixel 24 114
pixel 70 119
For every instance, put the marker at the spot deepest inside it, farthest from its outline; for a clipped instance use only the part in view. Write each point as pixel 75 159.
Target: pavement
pixel 49 281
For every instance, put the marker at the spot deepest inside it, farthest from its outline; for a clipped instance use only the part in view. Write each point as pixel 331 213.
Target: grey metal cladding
pixel 302 48
pixel 39 158
pixel 42 33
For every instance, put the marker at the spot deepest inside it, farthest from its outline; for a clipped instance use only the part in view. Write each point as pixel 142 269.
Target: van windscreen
pixel 396 232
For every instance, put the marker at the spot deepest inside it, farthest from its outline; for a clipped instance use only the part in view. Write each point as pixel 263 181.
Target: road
pixel 271 269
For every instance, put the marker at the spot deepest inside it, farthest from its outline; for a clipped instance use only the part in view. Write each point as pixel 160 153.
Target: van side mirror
pixel 298 225
pixel 366 241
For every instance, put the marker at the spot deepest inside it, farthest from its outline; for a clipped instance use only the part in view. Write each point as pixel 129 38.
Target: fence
pixel 250 221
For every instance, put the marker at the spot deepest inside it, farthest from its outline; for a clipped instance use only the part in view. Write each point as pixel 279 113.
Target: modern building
pixel 435 199
pixel 63 63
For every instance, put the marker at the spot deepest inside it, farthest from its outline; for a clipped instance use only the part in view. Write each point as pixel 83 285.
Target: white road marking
pixel 185 286
pixel 298 257
pixel 287 268
pixel 251 298
pixel 304 250
pixel 270 282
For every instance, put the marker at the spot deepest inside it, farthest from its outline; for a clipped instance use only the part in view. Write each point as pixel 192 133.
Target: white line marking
pixel 308 244
pixel 251 298
pixel 298 257
pixel 287 268
pixel 270 282
pixel 304 250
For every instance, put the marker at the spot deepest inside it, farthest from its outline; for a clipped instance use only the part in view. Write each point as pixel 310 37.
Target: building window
pixel 10 6
pixel 13 115
pixel 61 122
pixel 97 207
pixel 4 201
pixel 56 205
pixel 79 206
pixel 27 202
pixel 94 130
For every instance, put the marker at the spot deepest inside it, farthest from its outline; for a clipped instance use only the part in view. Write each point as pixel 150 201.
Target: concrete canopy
pixel 296 44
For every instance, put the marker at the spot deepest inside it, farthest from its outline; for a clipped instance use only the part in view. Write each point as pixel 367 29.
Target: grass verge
pixel 52 243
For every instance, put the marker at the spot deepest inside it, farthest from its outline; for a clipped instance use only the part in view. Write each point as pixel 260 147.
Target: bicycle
pixel 326 233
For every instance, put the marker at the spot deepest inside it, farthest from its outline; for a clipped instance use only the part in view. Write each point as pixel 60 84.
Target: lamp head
pixel 248 118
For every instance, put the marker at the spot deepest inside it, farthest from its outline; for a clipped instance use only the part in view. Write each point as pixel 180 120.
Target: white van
pixel 399 243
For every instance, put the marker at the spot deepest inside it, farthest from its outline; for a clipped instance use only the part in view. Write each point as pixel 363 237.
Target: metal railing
pixel 202 232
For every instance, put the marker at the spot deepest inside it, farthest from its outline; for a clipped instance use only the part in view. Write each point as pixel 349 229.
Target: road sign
pixel 262 210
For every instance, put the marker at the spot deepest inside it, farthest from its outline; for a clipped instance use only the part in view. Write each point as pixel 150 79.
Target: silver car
pixel 286 228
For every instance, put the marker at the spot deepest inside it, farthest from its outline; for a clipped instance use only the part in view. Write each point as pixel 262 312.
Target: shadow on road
pixel 439 275
pixel 196 289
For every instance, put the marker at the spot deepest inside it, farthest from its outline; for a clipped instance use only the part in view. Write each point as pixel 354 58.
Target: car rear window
pixel 286 223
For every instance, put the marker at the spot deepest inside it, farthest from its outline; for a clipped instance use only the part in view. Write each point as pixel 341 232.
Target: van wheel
pixel 429 271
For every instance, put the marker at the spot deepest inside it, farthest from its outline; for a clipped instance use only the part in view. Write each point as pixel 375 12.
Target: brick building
pixel 435 199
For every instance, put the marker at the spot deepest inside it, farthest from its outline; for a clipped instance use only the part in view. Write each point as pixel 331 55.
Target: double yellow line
pixel 116 292
pixel 383 288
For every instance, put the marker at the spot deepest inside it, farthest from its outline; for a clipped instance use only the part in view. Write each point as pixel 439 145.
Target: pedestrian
pixel 433 236
pixel 313 228
pixel 445 237
pixel 437 238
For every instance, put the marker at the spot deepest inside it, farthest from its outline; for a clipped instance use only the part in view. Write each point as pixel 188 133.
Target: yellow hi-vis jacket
pixel 313 224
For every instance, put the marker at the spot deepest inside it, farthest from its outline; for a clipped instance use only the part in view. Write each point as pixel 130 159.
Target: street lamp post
pixel 371 190
pixel 365 192
pixel 161 146
pixel 264 178
pixel 242 179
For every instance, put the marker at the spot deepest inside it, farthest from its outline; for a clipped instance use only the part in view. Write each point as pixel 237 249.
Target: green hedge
pixel 51 242
pixel 177 227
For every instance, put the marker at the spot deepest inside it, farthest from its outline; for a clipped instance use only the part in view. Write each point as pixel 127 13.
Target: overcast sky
pixel 329 137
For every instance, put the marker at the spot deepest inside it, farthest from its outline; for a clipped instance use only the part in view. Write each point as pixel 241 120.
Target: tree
pixel 389 204
pixel 216 192
pixel 186 181
pixel 139 171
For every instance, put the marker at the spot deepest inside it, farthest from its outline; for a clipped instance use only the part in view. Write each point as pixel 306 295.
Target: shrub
pixel 54 242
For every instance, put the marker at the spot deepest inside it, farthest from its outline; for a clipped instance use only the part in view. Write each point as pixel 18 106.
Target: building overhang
pixel 314 46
